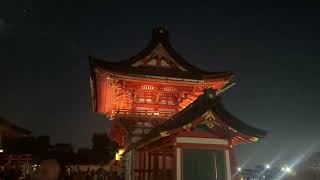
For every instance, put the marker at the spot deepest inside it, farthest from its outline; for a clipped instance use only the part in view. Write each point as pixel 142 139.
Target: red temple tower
pixel 167 114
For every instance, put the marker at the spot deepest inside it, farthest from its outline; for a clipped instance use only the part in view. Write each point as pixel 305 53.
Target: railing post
pixel 164 168
pixel 144 165
pixel 140 165
pixel 149 166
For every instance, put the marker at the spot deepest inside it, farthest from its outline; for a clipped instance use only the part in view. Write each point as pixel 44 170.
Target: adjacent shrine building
pixel 167 116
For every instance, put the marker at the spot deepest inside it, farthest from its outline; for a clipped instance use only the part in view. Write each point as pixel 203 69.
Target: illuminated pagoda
pixel 167 116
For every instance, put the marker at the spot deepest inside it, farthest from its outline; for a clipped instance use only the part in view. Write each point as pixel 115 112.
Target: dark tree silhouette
pixel 103 148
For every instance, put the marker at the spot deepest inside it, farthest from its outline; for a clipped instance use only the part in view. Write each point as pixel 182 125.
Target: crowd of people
pixel 51 170
pixel 10 172
pixel 90 174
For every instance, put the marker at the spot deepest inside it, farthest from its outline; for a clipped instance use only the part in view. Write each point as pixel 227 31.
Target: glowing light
pixel 121 151
pixel 117 157
pixel 239 169
pixel 288 169
pixel 119 154
pixel 169 89
pixel 147 87
pixel 268 166
pixel 1 150
pixel 35 165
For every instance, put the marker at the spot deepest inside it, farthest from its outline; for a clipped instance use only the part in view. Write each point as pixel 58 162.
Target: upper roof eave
pixel 96 63
pixel 160 36
pixel 93 84
pixel 14 127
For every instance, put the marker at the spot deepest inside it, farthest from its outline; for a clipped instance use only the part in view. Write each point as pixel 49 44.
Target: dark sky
pixel 44 49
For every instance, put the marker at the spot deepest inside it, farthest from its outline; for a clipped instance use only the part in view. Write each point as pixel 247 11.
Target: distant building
pixel 62 147
pixel 10 130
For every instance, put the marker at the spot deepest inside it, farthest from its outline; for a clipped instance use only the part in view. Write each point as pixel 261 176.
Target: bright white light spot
pixel 268 166
pixel 283 169
pixel 288 169
pixel 239 169
pixel 1 151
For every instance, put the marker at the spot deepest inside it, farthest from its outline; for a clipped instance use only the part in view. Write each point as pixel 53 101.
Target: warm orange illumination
pixel 147 87
pixel 169 89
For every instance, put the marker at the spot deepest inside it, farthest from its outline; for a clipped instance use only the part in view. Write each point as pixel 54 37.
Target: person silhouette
pixel 49 170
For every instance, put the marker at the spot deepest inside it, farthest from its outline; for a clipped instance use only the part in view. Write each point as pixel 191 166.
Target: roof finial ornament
pixel 160 32
pixel 162 29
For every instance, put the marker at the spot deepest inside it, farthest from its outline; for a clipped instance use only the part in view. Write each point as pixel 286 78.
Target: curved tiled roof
pixel 8 124
pixel 205 102
pixel 159 36
pixel 154 71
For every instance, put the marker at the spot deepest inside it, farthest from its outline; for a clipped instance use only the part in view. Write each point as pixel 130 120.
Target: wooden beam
pixel 156 166
pixel 202 146
pixel 144 166
pixel 140 165
pixel 162 147
pixel 155 142
pixel 149 166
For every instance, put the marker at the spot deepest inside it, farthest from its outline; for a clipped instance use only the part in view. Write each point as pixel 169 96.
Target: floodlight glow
pixel 119 154
pixel 117 157
pixel 121 151
pixel 283 169
pixel 239 169
pixel 288 169
pixel 268 166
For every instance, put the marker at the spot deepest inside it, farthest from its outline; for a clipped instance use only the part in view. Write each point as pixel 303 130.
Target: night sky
pixel 274 52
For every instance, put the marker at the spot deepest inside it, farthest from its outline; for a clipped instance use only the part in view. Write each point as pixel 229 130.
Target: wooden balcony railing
pixel 130 112
pixel 17 158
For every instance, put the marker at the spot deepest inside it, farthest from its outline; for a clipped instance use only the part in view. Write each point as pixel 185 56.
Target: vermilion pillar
pixel 234 165
pixel 101 94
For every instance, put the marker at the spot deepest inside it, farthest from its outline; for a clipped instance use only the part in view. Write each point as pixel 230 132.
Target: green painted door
pixel 203 164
